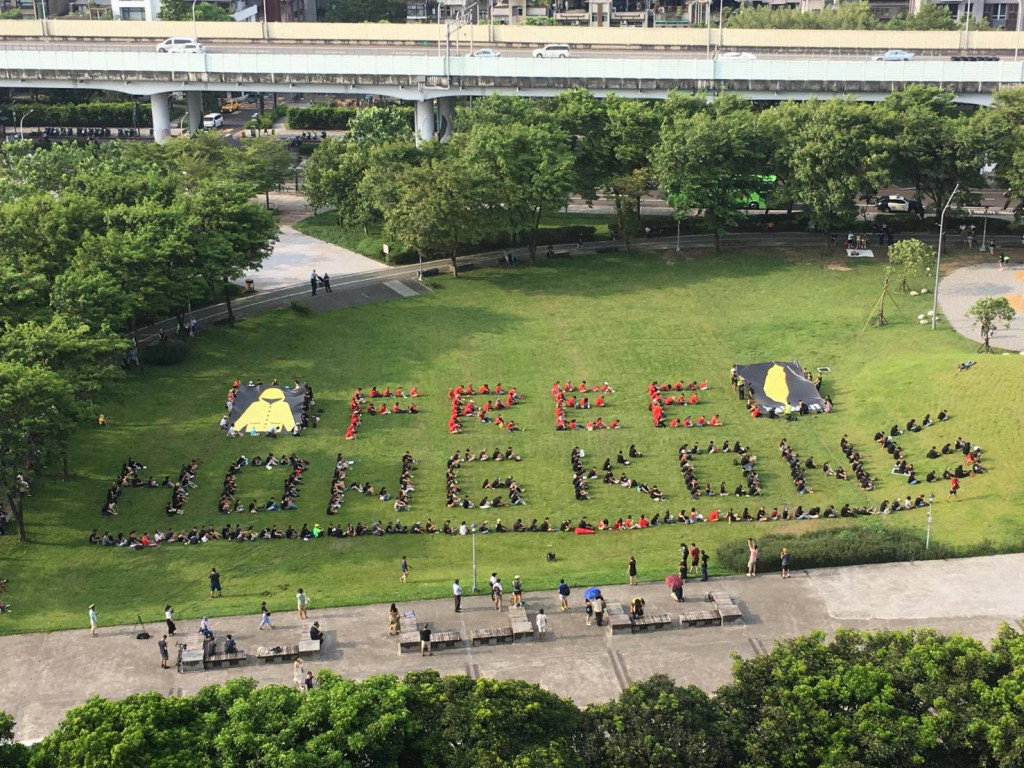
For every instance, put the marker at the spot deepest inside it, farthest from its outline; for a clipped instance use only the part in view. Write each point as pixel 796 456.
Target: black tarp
pixel 776 384
pixel 261 408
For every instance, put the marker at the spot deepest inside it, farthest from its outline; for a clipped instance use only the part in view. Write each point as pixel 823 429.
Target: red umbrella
pixel 673 581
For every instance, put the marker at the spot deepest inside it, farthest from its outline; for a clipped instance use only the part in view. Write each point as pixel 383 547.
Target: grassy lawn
pixel 623 318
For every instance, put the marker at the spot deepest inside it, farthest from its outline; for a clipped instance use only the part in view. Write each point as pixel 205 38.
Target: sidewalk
pixel 46 674
pixel 961 288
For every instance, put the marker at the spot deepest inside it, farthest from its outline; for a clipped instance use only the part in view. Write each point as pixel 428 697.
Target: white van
pixel 181 45
pixel 213 120
pixel 552 51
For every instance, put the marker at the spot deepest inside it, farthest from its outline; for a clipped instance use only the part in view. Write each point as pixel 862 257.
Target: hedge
pixel 97 115
pixel 320 117
pixel 545 236
pixel 830 547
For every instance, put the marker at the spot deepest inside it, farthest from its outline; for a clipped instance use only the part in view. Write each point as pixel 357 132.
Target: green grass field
pixel 623 318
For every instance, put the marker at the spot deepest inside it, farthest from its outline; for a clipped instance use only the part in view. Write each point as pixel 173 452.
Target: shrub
pixel 827 548
pixel 320 117
pixel 95 115
pixel 300 307
pixel 169 352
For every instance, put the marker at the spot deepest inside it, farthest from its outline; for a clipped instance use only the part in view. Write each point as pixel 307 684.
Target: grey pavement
pixel 45 674
pixel 962 287
pixel 296 255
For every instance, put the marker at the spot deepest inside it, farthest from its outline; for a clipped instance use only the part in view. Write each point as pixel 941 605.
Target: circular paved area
pixel 961 288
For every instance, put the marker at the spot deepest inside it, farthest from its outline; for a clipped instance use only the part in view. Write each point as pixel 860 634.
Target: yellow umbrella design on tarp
pixel 271 410
pixel 776 386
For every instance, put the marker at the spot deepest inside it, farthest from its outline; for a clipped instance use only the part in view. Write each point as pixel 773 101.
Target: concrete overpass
pixel 433 77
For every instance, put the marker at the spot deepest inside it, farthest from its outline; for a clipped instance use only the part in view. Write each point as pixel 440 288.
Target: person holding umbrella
pixel 675 585
pixel 590 597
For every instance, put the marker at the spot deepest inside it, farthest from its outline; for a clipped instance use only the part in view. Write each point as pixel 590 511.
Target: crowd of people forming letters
pixel 576 397
pixel 358 405
pixel 491 411
pixel 306 416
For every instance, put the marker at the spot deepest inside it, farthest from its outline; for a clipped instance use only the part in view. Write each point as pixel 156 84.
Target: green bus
pixel 757 197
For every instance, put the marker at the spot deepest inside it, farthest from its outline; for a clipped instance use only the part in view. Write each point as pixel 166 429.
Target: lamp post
pixel 984 232
pixel 181 123
pixel 938 255
pixel 679 232
pixel 928 530
pixel 472 529
pixel 195 27
pixel 21 125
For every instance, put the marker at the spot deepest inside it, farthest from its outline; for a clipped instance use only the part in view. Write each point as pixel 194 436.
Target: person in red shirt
pixel 396 409
pixel 510 398
pixel 571 402
pixel 694 399
pixel 414 392
pixel 701 421
pixel 556 390
pixel 350 433
pixel 954 486
pixel 590 426
pixel 674 423
pixel 599 403
pixel 598 424
pixel 413 408
pixel 643 522
pixel 499 423
pixel 715 421
pixel 614 424
pixel 572 424
pixel 687 422
pixel 656 412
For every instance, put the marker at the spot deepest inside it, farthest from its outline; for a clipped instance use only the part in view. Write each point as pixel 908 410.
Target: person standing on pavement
pixel 215 583
pixel 161 646
pixel 517 590
pixel 425 641
pixel 599 607
pixel 299 674
pixel 563 595
pixel 302 602
pixel 93 619
pixel 694 556
pixel 786 557
pixel 542 624
pixel 405 569
pixel 752 560
pixel 496 594
pixel 457 591
pixel 169 618
pixel 704 565
pixel 314 280
pixel 325 281
pixel 631 570
pixel 265 618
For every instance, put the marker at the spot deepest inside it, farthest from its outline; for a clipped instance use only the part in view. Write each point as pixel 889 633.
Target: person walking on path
pixel 265 618
pixel 457 591
pixel 314 280
pixel 93 619
pixel 161 646
pixel 954 486
pixel 215 583
pixel 786 557
pixel 299 674
pixel 517 590
pixel 496 594
pixel 563 595
pixel 425 641
pixel 405 569
pixel 631 571
pixel 302 602
pixel 169 618
pixel 752 560
pixel 325 281
pixel 542 624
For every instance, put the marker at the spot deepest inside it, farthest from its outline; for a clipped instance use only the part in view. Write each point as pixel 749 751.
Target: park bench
pixel 700 618
pixel 651 621
pixel 192 659
pixel 220 659
pixel 728 611
pixel 309 647
pixel 491 636
pixel 618 618
pixel 445 639
pixel 409 640
pixel 522 627
pixel 277 653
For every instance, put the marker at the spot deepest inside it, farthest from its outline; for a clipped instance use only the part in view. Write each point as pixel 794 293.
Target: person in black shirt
pixel 315 633
pixel 425 641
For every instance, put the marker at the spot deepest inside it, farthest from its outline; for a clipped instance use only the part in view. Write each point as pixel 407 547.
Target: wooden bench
pixel 728 611
pixel 651 621
pixel 230 659
pixel 491 636
pixel 277 653
pixel 699 618
pixel 410 640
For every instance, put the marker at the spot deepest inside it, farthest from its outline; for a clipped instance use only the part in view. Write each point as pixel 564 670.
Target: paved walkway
pixel 964 286
pixel 45 674
pixel 296 255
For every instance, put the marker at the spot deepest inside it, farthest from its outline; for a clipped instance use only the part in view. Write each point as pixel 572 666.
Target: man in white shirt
pixel 457 591
pixel 542 624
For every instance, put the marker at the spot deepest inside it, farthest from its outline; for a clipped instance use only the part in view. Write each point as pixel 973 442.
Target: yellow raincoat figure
pixel 271 410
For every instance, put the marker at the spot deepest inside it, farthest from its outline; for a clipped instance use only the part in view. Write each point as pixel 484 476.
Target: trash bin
pixel 250 285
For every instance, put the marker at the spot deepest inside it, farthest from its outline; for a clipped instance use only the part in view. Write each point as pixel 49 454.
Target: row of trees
pixel 891 698
pixel 512 159
pixel 857 15
pixel 96 239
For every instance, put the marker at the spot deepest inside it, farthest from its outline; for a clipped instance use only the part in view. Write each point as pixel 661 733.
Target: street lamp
pixel 984 232
pixel 472 529
pixel 181 123
pixel 928 531
pixel 21 125
pixel 195 27
pixel 938 256
pixel 679 232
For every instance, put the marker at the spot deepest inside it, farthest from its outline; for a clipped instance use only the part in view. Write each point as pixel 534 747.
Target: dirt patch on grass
pixel 837 267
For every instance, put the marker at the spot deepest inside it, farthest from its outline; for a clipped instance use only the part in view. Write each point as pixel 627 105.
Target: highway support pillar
pixel 424 120
pixel 195 110
pixel 161 117
pixel 446 118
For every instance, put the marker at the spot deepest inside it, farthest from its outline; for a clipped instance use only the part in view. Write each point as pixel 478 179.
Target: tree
pixel 627 190
pixel 356 11
pixel 582 116
pixel 837 157
pixel 929 16
pixel 379 125
pixel 331 178
pixel 633 127
pixel 265 163
pixel 989 314
pixel 656 723
pixel 908 260
pixel 12 754
pixel 524 171
pixel 440 207
pixel 502 111
pixel 181 10
pixel 703 160
pixel 36 407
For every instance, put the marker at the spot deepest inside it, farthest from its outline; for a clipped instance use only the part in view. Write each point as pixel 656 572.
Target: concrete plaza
pixel 45 674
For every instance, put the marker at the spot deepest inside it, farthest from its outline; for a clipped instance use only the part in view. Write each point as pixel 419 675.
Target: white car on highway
pixel 741 55
pixel 181 45
pixel 484 53
pixel 552 51
pixel 895 55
